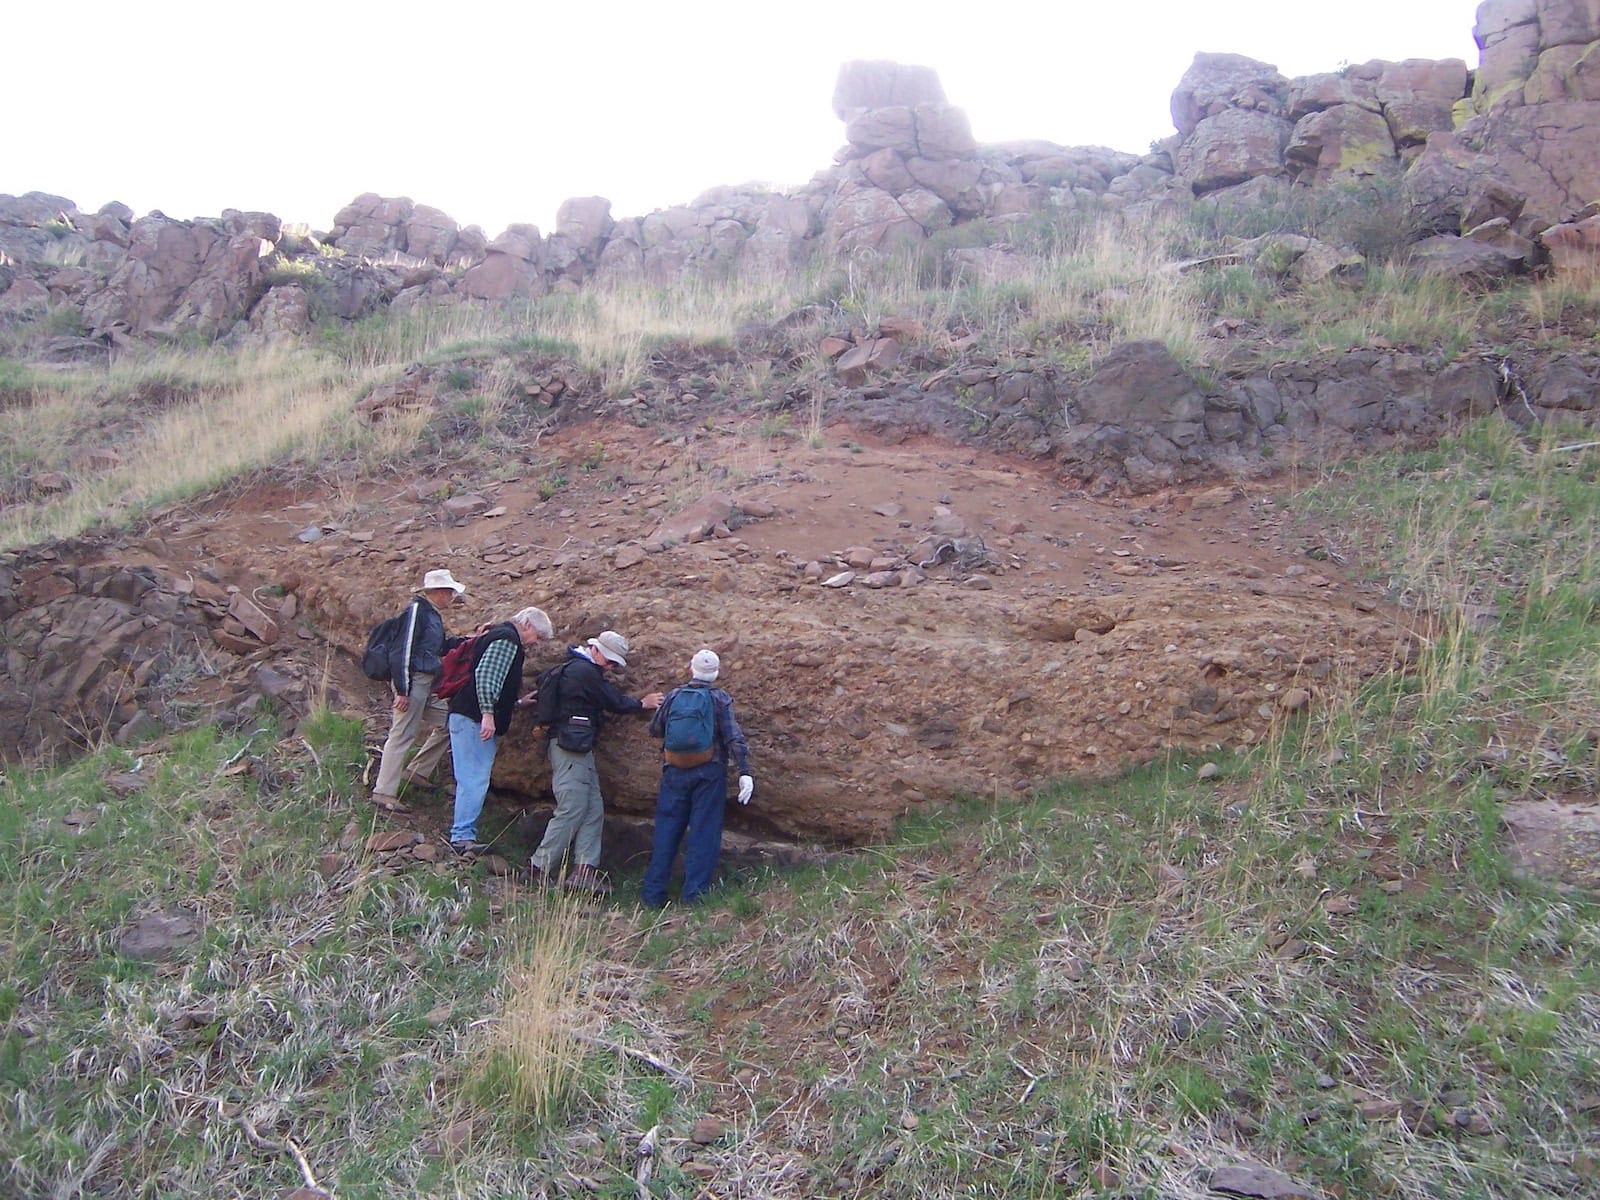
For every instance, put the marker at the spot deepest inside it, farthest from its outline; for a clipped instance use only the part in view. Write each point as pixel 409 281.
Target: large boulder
pixel 586 222
pixel 430 235
pixel 1419 96
pixel 511 266
pixel 876 84
pixel 35 208
pixel 1215 83
pixel 1548 152
pixel 372 225
pixel 179 273
pixel 1344 140
pixel 1232 146
pixel 868 218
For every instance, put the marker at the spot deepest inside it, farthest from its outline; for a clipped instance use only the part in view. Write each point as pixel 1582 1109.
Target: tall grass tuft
pixel 531 1055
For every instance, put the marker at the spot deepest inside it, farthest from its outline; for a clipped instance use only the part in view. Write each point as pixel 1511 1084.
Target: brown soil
pixel 1101 631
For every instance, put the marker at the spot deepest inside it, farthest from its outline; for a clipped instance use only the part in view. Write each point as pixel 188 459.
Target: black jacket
pixel 465 702
pixel 421 647
pixel 584 691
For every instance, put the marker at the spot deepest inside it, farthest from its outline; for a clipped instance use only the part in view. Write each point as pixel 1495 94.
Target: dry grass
pixel 531 1057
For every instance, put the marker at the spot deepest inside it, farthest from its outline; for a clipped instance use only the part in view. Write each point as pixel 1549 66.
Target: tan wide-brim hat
pixel 613 645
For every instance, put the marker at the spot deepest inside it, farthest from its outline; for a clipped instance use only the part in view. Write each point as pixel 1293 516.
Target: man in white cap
pixel 699 736
pixel 411 674
pixel 573 701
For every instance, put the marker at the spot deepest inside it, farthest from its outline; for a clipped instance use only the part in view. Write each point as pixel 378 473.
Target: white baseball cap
pixel 705 666
pixel 442 579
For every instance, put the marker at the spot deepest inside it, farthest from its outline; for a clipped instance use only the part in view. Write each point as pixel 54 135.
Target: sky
pixel 495 111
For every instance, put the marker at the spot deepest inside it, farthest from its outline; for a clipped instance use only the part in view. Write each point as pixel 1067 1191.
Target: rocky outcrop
pixel 121 648
pixel 1139 423
pixel 201 274
pixel 375 226
pixel 1239 119
pixel 1516 141
pixel 1530 145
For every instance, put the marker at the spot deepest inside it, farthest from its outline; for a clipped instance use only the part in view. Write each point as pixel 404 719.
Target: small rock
pixel 383 843
pixel 630 555
pixel 159 937
pixel 842 579
pixel 1473 1122
pixel 1378 1110
pixel 329 865
pixel 126 783
pixel 705 1131
pixel 1294 700
pixel 439 1016
pixel 1255 1180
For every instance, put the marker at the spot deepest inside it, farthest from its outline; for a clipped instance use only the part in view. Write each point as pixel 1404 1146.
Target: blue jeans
pixel 691 799
pixel 474 760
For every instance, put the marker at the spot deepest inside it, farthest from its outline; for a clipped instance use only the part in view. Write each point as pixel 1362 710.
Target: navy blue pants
pixel 689 799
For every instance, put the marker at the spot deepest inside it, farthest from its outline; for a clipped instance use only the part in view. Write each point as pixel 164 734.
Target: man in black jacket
pixel 583 697
pixel 480 714
pixel 411 674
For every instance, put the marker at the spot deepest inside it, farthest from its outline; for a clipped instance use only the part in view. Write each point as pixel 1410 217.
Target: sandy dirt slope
pixel 1078 636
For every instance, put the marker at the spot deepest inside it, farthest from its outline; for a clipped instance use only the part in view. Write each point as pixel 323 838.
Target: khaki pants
pixel 430 713
pixel 580 814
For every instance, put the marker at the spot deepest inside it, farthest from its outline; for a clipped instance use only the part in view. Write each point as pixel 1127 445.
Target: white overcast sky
pixel 497 110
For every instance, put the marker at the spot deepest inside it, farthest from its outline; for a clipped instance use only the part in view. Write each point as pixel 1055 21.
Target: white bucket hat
pixel 613 645
pixel 442 579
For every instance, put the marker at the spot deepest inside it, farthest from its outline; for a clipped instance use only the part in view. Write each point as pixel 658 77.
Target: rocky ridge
pixel 1505 156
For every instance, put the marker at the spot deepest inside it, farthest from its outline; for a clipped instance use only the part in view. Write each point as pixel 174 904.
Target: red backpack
pixel 456 668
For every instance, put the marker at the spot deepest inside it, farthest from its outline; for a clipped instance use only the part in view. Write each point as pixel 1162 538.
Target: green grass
pixel 336 1013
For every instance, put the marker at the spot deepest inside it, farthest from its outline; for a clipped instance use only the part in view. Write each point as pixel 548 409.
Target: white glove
pixel 746 786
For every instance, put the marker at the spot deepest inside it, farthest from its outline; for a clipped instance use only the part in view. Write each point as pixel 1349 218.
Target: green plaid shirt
pixel 490 676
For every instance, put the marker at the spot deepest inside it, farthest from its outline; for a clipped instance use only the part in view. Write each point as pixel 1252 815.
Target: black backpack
pixel 382 643
pixel 547 707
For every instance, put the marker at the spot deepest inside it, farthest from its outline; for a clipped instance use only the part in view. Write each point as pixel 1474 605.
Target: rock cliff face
pixel 1526 142
pixel 1517 140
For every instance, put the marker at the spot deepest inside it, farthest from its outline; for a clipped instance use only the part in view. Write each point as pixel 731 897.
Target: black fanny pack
pixel 576 735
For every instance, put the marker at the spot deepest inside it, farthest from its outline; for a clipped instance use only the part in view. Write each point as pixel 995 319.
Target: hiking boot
pixel 470 847
pixel 586 879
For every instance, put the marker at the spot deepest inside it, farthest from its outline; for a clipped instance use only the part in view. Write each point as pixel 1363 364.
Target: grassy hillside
pixel 154 426
pixel 1317 957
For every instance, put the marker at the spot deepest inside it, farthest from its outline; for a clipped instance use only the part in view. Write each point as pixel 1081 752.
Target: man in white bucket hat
pixel 412 673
